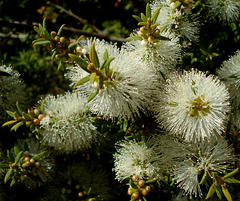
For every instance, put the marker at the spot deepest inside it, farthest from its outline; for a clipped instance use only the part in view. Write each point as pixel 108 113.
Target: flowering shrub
pixel 189 149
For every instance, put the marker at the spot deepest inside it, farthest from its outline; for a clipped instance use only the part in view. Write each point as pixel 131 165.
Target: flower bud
pixel 91 67
pixel 80 194
pixel 144 192
pixel 148 188
pixel 26 164
pixel 53 34
pixel 62 40
pixel 36 111
pixel 135 178
pixel 135 195
pixel 141 183
pixel 57 39
pixel 40 116
pixel 37 164
pixel 150 39
pixel 32 161
pixel 35 121
pixel 28 123
pixel 59 44
pixel 130 191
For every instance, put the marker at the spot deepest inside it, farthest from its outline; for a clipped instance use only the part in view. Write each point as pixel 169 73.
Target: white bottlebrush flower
pixel 67 126
pixel 192 105
pixel 12 89
pixel 225 10
pixel 229 73
pixel 178 21
pixel 126 91
pixel 190 161
pixel 136 158
pixel 77 178
pixel 161 57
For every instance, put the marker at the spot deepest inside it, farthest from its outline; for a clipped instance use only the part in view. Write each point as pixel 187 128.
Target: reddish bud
pixel 57 38
pixel 37 164
pixel 144 192
pixel 62 40
pixel 141 183
pixel 148 188
pixel 32 161
pixel 80 194
pixel 35 121
pixel 40 116
pixel 135 195
pixel 59 44
pixel 36 111
pixel 53 34
pixel 135 178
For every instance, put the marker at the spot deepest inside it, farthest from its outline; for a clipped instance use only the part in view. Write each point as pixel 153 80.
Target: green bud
pixel 53 34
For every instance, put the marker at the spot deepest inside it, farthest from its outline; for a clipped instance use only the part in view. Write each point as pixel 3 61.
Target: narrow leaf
pixel 8 175
pixel 41 28
pixel 148 11
pixel 92 95
pixel 226 193
pixel 231 174
pixel 46 33
pixel 16 150
pixel 4 158
pixel 60 30
pixel 139 19
pixel 19 108
pixel 105 55
pixel 211 190
pixel 92 77
pixel 142 23
pixel 42 42
pixel 134 38
pixel 143 17
pixel 204 178
pixel 17 125
pixel 38 156
pixel 82 81
pixel 93 56
pixel 10 113
pixel 107 64
pixel 152 180
pixel 37 30
pixel 9 123
pixel 10 156
pixel 26 116
pixel 155 15
pixel 81 62
pixel 4 165
pixel 232 181
pixel 78 40
pixel 14 180
pixel 19 155
pixel 44 23
pixel 161 38
pixel 60 65
pixel 42 106
pixel 72 45
pixel 37 40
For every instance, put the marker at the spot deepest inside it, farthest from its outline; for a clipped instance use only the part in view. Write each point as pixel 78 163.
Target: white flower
pixel 225 10
pixel 229 73
pixel 181 23
pixel 193 105
pixel 136 158
pixel 67 126
pixel 127 90
pixel 12 89
pixel 190 161
pixel 160 57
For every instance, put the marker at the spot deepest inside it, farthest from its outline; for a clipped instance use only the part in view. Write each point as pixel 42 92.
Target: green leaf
pixel 80 61
pixel 60 30
pixel 134 38
pixel 60 65
pixel 105 55
pixel 42 42
pixel 100 81
pixel 14 180
pixel 19 108
pixel 211 190
pixel 161 38
pixel 148 11
pixel 139 19
pixel 82 81
pixel 38 156
pixel 72 45
pixel 44 23
pixel 92 77
pixel 10 156
pixel 107 64
pixel 10 113
pixel 17 125
pixel 155 15
pixel 143 17
pixel 92 95
pixel 42 106
pixel 93 56
pixel 226 193
pixel 46 33
pixel 231 174
pixel 16 150
pixel 4 158
pixel 154 25
pixel 19 155
pixel 142 23
pixel 8 175
pixel 26 116
pixel 232 181
pixel 151 180
pixel 39 39
pixel 9 123
pixel 132 184
pixel 37 30
pixel 78 40
pixel 4 165
pixel 204 178
pixel 41 28
pixel 218 192
pixel 89 191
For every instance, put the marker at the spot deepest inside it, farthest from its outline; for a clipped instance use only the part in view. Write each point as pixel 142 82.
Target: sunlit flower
pixel 66 125
pixel 160 57
pixel 128 89
pixel 135 158
pixel 193 105
pixel 12 89
pixel 81 180
pixel 225 10
pixel 229 73
pixel 190 161
pixel 176 19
